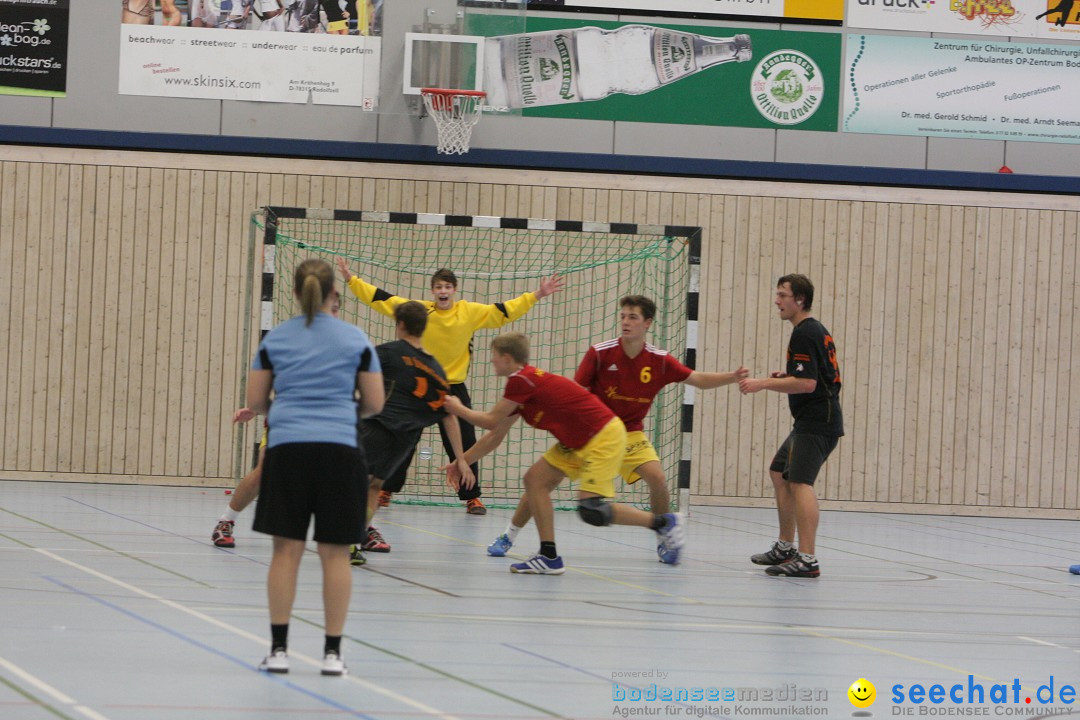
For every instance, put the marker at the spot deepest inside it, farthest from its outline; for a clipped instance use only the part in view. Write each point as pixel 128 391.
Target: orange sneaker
pixel 475 507
pixel 385 498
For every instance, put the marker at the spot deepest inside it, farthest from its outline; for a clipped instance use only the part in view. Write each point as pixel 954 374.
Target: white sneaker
pixel 332 664
pixel 276 662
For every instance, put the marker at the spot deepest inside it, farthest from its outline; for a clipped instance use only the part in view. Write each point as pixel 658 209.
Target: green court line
pixel 129 556
pixel 438 671
pixel 40 703
pixel 17 541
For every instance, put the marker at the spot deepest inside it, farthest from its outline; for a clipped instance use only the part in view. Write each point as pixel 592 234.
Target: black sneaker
pixel 775 556
pixel 796 567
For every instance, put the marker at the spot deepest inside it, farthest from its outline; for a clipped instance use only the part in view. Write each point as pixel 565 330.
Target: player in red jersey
pixel 626 374
pixel 592 443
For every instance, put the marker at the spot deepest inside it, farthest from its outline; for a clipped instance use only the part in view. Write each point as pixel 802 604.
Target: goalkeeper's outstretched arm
pixel 376 298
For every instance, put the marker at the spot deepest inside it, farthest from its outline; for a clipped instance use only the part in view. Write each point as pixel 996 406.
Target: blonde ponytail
pixel 313 283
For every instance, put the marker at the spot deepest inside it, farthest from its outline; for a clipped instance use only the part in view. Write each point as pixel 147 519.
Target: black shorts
pixel 801 456
pixel 386 450
pixel 327 480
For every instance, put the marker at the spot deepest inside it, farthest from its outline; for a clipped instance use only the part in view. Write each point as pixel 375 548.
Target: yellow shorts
pixel 638 452
pixel 265 437
pixel 337 26
pixel 596 464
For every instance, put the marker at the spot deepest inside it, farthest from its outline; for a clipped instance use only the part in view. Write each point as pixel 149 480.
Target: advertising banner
pixel 33 47
pixel 989 90
pixel 293 55
pixel 677 74
pixel 831 11
pixel 1058 19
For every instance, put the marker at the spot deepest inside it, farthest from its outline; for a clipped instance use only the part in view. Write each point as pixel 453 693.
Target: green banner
pixel 587 70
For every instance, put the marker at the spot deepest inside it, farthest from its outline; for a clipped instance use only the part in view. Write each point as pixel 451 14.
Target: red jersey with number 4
pixel 557 404
pixel 628 385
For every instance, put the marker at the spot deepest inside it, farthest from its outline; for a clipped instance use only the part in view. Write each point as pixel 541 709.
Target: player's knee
pixel 595 511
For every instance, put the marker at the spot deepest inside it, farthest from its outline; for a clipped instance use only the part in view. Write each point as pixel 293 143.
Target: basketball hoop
pixel 455 113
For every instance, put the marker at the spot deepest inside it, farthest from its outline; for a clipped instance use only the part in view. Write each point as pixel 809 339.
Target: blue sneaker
pixel 539 565
pixel 672 539
pixel 500 546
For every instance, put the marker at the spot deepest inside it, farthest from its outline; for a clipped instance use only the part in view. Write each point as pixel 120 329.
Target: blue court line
pixel 162 530
pixel 203 646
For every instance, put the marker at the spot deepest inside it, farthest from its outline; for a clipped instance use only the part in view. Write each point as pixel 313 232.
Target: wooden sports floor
pixel 114 604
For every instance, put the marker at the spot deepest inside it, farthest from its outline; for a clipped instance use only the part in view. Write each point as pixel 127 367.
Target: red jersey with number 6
pixel 628 385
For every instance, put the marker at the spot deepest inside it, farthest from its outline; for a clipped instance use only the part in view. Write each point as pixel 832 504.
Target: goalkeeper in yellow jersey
pixel 450 328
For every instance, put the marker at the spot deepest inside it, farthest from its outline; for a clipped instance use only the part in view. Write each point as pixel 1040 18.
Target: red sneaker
pixel 222 536
pixel 475 507
pixel 385 498
pixel 375 542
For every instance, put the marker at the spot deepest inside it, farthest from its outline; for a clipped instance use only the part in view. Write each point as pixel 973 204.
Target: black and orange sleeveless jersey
pixel 812 354
pixel 416 387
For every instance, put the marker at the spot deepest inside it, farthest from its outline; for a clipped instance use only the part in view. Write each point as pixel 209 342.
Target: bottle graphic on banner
pixel 580 64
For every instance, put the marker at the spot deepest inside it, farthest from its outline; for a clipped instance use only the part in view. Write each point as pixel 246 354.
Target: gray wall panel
pixel 92 100
pixel 310 122
pixel 1043 158
pixel 93 103
pixel 18 110
pixel 695 141
pixel 795 146
pixel 529 133
pixel 970 155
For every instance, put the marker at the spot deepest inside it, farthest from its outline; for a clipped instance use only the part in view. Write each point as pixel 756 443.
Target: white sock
pixel 230 514
pixel 783 545
pixel 512 531
pixel 808 559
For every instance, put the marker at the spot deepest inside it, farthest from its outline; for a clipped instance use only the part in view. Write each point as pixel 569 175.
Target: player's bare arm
pixel 372 393
pixel 243 415
pixel 463 475
pixel 487 420
pixel 260 382
pixel 785 385
pixel 709 380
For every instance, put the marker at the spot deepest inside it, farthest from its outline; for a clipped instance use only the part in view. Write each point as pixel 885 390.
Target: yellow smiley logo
pixel 862 693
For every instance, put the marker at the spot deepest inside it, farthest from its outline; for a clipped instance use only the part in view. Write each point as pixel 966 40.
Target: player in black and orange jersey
pixel 811 381
pixel 590 449
pixel 627 374
pixel 451 326
pixel 416 390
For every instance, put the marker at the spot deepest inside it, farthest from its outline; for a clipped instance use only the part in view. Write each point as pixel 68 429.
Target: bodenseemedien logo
pixel 787 87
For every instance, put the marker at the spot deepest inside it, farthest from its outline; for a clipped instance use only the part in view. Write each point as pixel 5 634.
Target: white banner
pixel 945 87
pixel 1058 19
pixel 238 65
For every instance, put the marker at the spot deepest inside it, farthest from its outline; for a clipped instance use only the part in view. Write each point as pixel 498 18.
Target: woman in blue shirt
pixel 320 370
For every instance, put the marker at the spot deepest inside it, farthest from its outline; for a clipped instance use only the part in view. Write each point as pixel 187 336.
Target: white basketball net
pixel 455 115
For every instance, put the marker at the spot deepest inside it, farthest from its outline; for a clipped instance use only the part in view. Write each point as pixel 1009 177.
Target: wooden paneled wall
pixel 956 316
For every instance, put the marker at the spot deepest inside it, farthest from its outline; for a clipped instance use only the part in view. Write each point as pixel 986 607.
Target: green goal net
pixel 497 259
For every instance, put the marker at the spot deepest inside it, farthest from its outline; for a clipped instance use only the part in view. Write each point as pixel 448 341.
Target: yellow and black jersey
pixel 449 332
